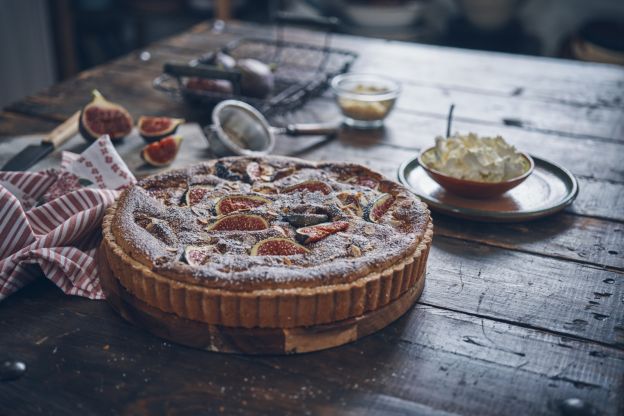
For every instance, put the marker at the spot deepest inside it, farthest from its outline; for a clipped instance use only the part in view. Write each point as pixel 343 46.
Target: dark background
pixel 43 42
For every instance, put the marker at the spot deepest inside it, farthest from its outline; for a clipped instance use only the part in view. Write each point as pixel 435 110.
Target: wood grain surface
pixel 253 341
pixel 515 318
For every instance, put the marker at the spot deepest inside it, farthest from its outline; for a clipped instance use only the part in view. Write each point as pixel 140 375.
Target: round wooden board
pixel 250 340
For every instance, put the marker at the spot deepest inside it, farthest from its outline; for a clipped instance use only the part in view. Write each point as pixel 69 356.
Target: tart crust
pixel 270 307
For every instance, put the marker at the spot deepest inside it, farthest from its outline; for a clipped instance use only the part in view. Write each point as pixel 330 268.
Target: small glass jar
pixel 365 99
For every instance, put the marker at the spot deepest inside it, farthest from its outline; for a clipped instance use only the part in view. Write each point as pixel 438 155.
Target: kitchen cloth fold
pixel 53 219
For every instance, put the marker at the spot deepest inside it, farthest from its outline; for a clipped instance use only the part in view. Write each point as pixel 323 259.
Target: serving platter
pixel 549 189
pixel 240 340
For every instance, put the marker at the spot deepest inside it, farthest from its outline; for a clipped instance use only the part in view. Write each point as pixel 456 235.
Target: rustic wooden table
pixel 515 319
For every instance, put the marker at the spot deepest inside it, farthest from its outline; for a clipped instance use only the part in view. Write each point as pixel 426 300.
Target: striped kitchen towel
pixel 52 220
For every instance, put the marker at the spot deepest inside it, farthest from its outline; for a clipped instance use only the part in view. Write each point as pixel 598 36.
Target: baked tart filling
pixel 268 242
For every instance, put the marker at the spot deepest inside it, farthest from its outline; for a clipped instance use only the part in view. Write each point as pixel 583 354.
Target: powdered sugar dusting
pixel 154 220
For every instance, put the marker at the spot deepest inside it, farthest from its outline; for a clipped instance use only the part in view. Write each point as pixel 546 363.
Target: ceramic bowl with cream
pixel 476 167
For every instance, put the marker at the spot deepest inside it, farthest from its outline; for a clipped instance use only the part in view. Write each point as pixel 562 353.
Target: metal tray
pixel 302 71
pixel 548 190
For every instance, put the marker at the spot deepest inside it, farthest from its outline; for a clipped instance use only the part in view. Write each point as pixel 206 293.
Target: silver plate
pixel 549 189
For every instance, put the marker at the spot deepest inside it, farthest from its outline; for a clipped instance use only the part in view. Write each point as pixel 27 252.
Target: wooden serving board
pixel 250 340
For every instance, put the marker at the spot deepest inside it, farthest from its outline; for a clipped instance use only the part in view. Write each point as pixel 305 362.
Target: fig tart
pixel 268 242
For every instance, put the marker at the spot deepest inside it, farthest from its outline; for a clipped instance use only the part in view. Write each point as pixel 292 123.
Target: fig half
pixel 277 247
pixel 101 116
pixel 156 128
pixel 235 203
pixel 162 152
pixel 376 209
pixel 240 222
pixel 308 186
pixel 199 255
pixel 314 233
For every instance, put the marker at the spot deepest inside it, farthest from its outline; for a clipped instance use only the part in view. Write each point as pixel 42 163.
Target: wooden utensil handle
pixel 63 132
pixel 312 129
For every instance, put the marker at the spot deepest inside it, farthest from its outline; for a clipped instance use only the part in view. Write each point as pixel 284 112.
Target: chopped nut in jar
pixel 365 99
pixel 365 110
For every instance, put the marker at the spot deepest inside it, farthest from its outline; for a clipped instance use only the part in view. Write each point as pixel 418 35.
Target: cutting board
pixel 251 340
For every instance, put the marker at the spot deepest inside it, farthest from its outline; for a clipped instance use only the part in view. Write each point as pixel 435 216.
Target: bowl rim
pixel 478 183
pixel 225 140
pixel 392 93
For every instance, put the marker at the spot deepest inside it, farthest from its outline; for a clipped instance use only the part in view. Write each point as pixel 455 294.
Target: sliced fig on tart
pixel 266 188
pixel 168 196
pixel 162 231
pixel 101 116
pixel 308 186
pixel 283 172
pixel 199 255
pixel 240 222
pixel 235 203
pixel 196 194
pixel 224 172
pixel 312 234
pixel 378 207
pixel 152 129
pixel 305 219
pixel 352 203
pixel 277 247
pixel 364 180
pixel 255 171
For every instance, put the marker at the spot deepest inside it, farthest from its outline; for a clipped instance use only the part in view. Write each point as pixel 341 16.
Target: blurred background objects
pixel 43 42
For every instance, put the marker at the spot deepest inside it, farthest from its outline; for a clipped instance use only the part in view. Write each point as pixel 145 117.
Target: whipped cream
pixel 483 159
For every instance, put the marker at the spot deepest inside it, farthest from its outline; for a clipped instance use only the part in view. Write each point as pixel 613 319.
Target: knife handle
pixel 312 129
pixel 63 132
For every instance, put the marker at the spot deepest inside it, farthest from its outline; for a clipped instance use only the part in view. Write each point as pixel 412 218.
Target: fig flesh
pixel 162 152
pixel 257 79
pixel 196 194
pixel 309 235
pixel 156 128
pixel 366 181
pixel 351 202
pixel 240 222
pixel 101 116
pixel 199 255
pixel 277 247
pixel 376 209
pixel 235 203
pixel 309 186
pixel 305 219
pixel 221 86
pixel 254 171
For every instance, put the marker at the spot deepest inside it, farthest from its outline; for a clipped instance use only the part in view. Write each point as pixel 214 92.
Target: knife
pixel 35 152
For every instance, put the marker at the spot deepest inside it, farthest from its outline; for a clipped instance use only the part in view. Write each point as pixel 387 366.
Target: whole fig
pixel 257 80
pixel 222 61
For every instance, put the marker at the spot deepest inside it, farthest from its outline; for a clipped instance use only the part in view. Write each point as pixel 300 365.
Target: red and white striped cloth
pixel 52 219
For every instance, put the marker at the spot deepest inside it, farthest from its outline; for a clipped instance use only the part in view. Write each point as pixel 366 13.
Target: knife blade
pixel 33 153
